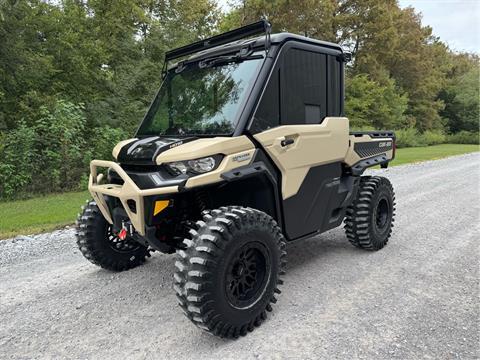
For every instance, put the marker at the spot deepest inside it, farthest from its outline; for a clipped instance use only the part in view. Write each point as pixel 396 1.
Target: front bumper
pixel 126 193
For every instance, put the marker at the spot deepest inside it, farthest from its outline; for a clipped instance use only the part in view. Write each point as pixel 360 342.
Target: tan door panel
pixel 312 145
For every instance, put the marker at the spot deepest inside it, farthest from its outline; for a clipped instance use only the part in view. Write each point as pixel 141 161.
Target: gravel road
pixel 416 298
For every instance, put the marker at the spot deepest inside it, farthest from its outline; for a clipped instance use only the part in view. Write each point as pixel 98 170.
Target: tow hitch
pixel 126 230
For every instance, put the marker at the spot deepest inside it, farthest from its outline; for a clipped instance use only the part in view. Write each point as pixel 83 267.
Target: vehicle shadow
pixel 302 252
pixel 150 290
pixel 299 253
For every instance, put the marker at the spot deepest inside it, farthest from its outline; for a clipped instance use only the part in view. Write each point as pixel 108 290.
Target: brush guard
pixel 129 194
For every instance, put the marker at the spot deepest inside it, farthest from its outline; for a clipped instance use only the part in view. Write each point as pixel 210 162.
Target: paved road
pixel 417 298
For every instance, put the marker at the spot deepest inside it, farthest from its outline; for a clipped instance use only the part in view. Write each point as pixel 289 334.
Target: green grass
pixel 40 214
pixel 54 211
pixel 417 154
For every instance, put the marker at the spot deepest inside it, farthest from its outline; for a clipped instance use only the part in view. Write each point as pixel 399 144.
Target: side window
pixel 334 91
pixel 303 87
pixel 267 115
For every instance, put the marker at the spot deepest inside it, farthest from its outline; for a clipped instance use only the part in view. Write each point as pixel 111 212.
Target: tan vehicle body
pixel 313 145
pixel 244 148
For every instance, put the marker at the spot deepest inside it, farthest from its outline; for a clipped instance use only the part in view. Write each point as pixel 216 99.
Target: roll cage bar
pixel 262 26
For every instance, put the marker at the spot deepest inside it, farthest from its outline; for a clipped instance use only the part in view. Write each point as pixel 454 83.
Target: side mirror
pixel 346 57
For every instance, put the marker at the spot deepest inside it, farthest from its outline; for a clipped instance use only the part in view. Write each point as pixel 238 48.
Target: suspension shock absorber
pixel 201 200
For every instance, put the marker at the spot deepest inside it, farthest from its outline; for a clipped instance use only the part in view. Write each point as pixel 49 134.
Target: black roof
pixel 235 39
pixel 285 36
pixel 259 41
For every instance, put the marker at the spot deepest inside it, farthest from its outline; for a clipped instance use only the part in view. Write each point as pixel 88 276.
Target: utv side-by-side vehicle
pixel 244 149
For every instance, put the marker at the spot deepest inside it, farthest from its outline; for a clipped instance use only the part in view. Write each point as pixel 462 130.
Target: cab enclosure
pixel 268 115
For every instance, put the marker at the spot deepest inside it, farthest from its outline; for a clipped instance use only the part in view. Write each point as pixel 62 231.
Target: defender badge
pixel 176 144
pixel 242 157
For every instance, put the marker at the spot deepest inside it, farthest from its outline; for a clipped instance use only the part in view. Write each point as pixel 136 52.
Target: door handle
pixel 286 142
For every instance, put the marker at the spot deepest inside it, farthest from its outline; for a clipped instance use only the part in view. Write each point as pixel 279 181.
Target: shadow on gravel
pixel 159 268
pixel 145 297
pixel 304 251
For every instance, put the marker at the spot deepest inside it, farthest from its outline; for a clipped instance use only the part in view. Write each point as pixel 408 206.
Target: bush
pixel 373 104
pixel 17 156
pixel 464 137
pixel 412 138
pixel 432 137
pixel 102 142
pixel 408 138
pixel 53 153
pixel 47 156
pixel 60 146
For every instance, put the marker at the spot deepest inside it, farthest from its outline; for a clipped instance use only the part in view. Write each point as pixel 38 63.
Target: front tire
pixel 102 247
pixel 369 219
pixel 226 277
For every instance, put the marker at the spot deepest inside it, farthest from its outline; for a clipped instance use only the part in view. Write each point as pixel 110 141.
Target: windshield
pixel 201 101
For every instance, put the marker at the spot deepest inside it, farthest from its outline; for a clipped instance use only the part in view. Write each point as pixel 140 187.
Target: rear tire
pixel 369 219
pixel 226 277
pixel 103 248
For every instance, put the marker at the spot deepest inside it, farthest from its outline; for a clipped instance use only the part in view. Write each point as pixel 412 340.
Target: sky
pixel 456 22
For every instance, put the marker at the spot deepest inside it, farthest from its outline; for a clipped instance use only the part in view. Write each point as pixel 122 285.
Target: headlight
pixel 178 167
pixel 202 165
pixel 196 166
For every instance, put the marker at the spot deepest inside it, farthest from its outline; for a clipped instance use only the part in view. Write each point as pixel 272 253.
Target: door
pixel 310 143
pixel 309 158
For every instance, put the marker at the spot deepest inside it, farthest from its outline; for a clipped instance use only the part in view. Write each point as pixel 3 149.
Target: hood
pixel 144 151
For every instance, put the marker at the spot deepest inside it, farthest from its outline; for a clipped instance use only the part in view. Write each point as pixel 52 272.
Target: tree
pixel 461 96
pixel 108 55
pixel 385 41
pixel 370 104
pixel 314 18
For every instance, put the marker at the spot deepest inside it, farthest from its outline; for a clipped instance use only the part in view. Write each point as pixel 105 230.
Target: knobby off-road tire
pixel 226 277
pixel 103 248
pixel 369 219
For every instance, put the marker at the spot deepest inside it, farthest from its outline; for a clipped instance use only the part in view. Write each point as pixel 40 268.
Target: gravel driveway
pixel 417 298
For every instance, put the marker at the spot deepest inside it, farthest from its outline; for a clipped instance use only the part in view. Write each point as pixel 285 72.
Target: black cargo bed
pixel 375 133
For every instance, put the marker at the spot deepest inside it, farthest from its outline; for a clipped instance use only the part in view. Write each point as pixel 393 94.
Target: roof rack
pixel 221 39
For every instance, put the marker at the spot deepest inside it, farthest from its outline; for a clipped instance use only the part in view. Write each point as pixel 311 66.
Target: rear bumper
pixel 127 192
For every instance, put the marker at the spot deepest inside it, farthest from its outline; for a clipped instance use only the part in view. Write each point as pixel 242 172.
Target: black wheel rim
pixel 247 275
pixel 119 245
pixel 382 214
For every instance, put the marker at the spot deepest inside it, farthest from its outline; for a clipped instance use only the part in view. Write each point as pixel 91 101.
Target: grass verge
pixel 54 211
pixel 40 214
pixel 417 154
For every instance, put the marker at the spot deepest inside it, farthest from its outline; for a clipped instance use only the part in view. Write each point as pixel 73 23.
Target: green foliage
pixel 433 137
pixel 315 18
pixel 59 143
pixel 17 156
pixel 462 96
pixel 56 55
pixel 46 156
pixel 102 142
pixel 369 103
pixel 411 137
pixel 408 138
pixel 464 137
pixel 108 55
